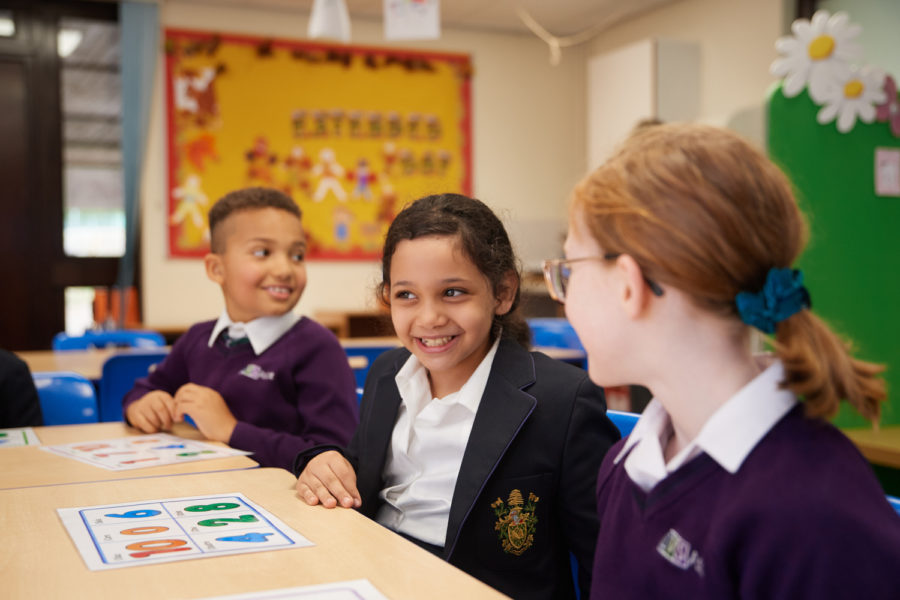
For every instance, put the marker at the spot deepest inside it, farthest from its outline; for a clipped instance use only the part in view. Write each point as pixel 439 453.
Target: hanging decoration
pixel 350 133
pixel 822 57
pixel 412 19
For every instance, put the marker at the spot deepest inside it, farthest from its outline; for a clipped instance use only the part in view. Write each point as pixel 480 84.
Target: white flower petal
pixel 782 66
pixel 802 29
pixel 849 51
pixel 788 45
pixel 866 113
pixel 825 83
pixel 851 32
pixel 793 84
pixel 828 113
pixel 846 120
pixel 819 20
pixel 877 96
pixel 837 22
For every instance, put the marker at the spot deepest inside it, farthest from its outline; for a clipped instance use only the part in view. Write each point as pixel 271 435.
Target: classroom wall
pixel 737 45
pixel 528 151
pixel 529 122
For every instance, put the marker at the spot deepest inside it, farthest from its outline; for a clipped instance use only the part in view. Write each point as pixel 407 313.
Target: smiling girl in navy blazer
pixel 469 445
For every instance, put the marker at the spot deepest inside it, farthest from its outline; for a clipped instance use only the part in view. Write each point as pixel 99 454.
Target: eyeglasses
pixel 558 270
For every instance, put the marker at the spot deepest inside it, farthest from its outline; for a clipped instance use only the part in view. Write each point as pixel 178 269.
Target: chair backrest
pixel 133 338
pixel 119 374
pixel 895 503
pixel 554 333
pixel 66 398
pixel 370 353
pixel 625 421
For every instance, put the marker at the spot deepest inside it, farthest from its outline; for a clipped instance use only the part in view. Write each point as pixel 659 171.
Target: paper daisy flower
pixel 890 109
pixel 856 97
pixel 818 53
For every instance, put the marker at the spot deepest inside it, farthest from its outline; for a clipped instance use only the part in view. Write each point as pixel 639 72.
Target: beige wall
pixel 737 45
pixel 529 122
pixel 528 150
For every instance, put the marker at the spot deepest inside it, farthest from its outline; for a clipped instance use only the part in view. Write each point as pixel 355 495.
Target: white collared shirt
pixel 426 451
pixel 728 436
pixel 261 332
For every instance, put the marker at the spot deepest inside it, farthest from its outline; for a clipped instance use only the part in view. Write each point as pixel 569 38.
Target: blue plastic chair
pixel 549 332
pixel 66 398
pixel 370 353
pixel 133 338
pixel 895 503
pixel 119 373
pixel 554 333
pixel 625 421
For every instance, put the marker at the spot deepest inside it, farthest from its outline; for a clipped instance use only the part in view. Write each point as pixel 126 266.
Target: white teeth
pixel 280 290
pixel 434 342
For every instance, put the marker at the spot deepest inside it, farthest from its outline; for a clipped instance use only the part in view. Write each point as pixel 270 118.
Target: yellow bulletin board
pixel 350 133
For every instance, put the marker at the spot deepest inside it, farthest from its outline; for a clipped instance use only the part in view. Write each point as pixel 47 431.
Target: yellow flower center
pixel 821 47
pixel 853 89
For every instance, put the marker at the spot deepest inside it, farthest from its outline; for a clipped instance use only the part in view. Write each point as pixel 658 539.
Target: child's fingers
pixel 345 478
pixel 163 411
pixel 141 422
pixel 332 485
pixel 309 496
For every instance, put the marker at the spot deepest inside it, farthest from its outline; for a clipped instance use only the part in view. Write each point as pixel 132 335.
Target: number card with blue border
pixel 355 589
pixel 18 436
pixel 140 451
pixel 173 529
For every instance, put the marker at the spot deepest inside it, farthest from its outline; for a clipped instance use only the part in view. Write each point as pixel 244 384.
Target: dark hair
pixel 702 210
pixel 246 199
pixel 482 238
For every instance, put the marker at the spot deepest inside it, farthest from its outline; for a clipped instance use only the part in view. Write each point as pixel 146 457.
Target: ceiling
pixel 559 17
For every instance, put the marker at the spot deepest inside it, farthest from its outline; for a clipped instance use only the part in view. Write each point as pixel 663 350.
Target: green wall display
pixel 852 262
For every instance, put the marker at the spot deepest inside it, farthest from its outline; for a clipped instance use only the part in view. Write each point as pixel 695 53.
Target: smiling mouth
pixel 436 342
pixel 279 291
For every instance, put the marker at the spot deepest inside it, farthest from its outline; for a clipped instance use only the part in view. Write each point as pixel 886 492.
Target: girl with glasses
pixel 732 484
pixel 469 445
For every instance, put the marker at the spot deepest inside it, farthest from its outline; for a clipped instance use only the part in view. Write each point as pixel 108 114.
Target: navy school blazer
pixel 525 494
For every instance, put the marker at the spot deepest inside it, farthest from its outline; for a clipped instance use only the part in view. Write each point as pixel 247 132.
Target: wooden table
pixel 881 446
pixel 40 561
pixel 89 363
pixel 84 362
pixel 29 466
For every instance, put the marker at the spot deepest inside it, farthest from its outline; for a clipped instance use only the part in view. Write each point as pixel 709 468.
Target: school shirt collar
pixel 412 383
pixel 261 332
pixel 727 437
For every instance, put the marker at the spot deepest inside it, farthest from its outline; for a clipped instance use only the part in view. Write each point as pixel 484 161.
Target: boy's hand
pixel 153 412
pixel 208 410
pixel 327 478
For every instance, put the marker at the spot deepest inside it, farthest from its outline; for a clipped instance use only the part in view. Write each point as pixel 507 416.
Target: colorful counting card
pixel 140 451
pixel 155 531
pixel 18 436
pixel 356 589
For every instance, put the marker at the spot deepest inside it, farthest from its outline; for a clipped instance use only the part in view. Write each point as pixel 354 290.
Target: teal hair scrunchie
pixel 782 296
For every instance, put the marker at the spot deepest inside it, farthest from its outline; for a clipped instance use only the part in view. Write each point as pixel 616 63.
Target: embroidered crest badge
pixel 516 522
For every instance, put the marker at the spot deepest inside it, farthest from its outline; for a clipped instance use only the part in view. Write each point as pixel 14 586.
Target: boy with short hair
pixel 260 378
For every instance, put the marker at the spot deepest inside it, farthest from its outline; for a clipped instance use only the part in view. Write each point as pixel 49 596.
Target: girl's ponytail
pixel 819 368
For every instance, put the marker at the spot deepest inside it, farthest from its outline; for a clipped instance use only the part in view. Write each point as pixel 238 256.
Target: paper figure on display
pixel 190 201
pixel 329 173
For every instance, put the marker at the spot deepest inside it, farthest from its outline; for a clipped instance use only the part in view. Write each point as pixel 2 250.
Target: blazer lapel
pixel 382 416
pixel 503 410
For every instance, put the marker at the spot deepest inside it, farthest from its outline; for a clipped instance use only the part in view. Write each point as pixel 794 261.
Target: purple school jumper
pixel 299 393
pixel 803 517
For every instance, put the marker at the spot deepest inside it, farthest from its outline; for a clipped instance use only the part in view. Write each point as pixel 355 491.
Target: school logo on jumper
pixel 677 551
pixel 255 372
pixel 516 522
